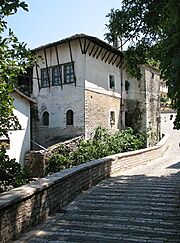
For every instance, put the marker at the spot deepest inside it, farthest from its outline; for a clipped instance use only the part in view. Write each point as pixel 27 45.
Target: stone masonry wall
pixel 97 111
pixel 47 136
pixel 37 161
pixel 153 105
pixel 135 103
pixel 29 205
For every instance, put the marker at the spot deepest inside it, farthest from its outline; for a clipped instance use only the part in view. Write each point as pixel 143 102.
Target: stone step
pixel 153 223
pixel 128 213
pixel 156 188
pixel 112 232
pixel 127 198
pixel 133 202
pixel 140 194
pixel 137 207
pixel 141 178
pixel 85 238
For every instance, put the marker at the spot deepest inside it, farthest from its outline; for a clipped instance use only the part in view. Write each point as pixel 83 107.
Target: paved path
pixel 140 205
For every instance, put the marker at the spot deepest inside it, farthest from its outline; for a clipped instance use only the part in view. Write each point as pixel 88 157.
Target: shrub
pixel 58 162
pixel 101 145
pixel 11 174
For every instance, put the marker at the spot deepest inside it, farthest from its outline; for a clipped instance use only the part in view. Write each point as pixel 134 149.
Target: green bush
pixel 11 174
pixel 58 162
pixel 102 144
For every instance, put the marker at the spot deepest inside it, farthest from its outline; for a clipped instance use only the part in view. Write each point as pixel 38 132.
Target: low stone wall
pixel 37 161
pixel 29 205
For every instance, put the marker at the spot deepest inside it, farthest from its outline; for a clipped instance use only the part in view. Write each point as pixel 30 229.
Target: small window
pixel 45 119
pixel 68 73
pixel 127 84
pixel 126 119
pixel 111 82
pixel 56 75
pixel 69 118
pixel 44 78
pixel 152 75
pixel 112 118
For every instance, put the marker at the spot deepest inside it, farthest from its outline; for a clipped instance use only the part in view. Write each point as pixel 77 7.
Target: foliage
pixel 102 144
pixel 14 59
pixel 152 29
pixel 11 174
pixel 134 117
pixel 165 102
pixel 57 162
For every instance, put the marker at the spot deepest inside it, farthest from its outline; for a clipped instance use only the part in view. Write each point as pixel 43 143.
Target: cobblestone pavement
pixel 140 205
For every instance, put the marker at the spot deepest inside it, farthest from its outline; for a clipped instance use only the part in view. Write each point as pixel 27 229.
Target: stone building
pixel 143 103
pixel 80 82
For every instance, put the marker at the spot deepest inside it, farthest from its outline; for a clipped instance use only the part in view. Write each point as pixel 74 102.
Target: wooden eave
pixel 22 95
pixel 93 47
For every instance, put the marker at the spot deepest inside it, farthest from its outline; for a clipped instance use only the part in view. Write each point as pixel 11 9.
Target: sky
pixel 52 20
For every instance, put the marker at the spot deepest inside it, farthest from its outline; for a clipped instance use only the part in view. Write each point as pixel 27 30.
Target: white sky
pixel 52 20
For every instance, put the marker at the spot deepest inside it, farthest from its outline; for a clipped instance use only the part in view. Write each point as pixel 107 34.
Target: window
pixel 69 117
pixel 126 119
pixel 112 118
pixel 111 81
pixel 56 75
pixel 45 119
pixel 44 78
pixel 68 73
pixel 127 84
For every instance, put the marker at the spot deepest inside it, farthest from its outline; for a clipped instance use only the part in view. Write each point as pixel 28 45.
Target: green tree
pixel 14 59
pixel 152 27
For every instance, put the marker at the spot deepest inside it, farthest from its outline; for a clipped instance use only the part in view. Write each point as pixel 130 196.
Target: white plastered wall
pixel 20 139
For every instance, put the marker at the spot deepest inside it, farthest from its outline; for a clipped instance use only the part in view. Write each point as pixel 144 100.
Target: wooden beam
pixel 59 67
pixel 96 51
pixel 108 57
pixel 112 58
pixel 92 49
pixel 99 53
pixel 70 51
pixel 80 43
pixel 121 63
pixel 124 65
pixel 37 74
pixel 87 47
pixel 84 49
pixel 47 69
pixel 115 60
pixel 104 55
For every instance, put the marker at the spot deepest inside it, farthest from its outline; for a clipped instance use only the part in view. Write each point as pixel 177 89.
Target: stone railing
pixel 29 205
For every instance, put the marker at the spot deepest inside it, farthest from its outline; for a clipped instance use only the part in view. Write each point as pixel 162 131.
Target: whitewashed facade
pixel 20 139
pixel 78 84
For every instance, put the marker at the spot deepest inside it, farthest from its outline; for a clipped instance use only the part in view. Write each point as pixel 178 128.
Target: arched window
pixel 45 119
pixel 69 117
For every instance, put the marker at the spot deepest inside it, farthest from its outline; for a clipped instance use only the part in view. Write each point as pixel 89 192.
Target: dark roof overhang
pixel 96 48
